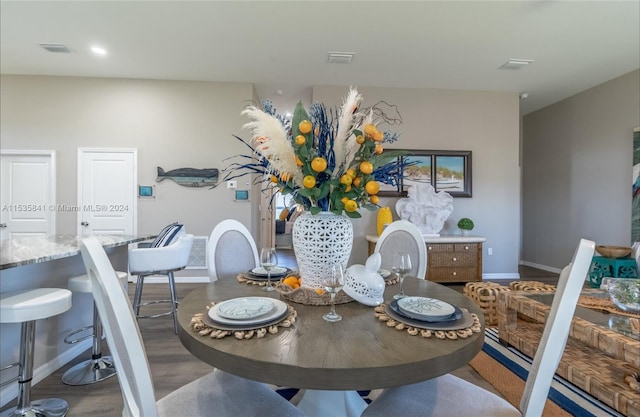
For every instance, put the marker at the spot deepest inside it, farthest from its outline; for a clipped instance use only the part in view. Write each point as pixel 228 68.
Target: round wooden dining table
pixel 330 360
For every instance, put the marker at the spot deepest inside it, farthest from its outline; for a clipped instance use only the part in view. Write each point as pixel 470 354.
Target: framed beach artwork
pixel 448 171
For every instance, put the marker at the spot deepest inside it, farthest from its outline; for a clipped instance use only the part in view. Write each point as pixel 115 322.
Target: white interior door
pixel 27 193
pixel 107 180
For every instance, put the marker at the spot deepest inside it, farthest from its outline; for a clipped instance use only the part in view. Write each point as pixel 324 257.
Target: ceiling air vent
pixel 55 47
pixel 340 57
pixel 516 64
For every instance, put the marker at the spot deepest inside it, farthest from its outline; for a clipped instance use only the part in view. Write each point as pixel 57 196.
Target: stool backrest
pixel 122 332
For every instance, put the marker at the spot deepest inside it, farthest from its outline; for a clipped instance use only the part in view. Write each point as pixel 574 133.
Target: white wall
pixel 577 159
pixel 486 123
pixel 176 124
pixel 173 124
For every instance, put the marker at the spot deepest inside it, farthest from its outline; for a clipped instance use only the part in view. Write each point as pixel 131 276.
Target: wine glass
pixel 401 266
pixel 332 284
pixel 268 260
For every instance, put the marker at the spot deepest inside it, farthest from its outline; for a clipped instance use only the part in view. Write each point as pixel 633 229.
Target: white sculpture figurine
pixel 425 208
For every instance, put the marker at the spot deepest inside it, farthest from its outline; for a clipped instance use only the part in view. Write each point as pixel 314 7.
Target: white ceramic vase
pixel 320 241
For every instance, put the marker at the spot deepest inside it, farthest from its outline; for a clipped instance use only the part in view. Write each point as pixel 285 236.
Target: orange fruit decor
pixel 378 149
pixel 356 181
pixel 374 199
pixel 360 139
pixel 299 161
pixel 351 205
pixel 300 140
pixel 319 291
pixel 309 181
pixel 346 179
pixel 304 127
pixel 274 179
pixel 351 172
pixel 318 164
pixel 291 281
pixel 372 187
pixel 366 167
pixel 370 129
pixel 378 136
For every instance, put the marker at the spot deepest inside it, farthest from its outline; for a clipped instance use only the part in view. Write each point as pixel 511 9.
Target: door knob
pixel 3 225
pixel 84 224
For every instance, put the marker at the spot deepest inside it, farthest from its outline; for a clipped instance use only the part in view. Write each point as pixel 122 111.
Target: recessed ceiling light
pixel 516 64
pixel 55 47
pixel 340 57
pixel 98 50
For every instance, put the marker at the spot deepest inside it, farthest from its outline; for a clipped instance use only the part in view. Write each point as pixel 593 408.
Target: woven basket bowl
pixel 613 251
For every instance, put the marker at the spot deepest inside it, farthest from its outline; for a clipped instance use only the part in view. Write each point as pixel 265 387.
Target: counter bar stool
pixel 99 367
pixel 26 307
pixel 161 260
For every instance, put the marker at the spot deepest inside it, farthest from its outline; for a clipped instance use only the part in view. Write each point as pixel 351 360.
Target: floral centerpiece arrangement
pixel 328 161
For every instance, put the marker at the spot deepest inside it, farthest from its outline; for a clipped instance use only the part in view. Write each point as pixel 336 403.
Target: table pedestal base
pixel 317 403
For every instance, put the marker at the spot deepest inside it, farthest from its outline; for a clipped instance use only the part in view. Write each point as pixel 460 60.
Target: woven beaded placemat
pixel 381 314
pixel 204 327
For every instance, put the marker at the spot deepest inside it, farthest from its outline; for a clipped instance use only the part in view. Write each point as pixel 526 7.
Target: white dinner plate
pixel 425 307
pixel 275 271
pixel 455 316
pixel 465 321
pixel 245 308
pixel 279 309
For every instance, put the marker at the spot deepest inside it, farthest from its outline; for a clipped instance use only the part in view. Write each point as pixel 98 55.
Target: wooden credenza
pixel 449 258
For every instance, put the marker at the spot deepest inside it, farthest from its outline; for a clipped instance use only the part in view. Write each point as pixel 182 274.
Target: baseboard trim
pixel 504 275
pixel 178 280
pixel 10 391
pixel 543 267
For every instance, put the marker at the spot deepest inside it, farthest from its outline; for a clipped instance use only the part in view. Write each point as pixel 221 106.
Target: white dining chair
pixel 403 236
pixel 448 395
pixel 216 394
pixel 231 249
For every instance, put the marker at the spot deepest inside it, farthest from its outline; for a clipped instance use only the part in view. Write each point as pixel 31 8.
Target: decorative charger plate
pixel 425 308
pixel 465 321
pixel 278 311
pixel 456 315
pixel 276 272
pixel 245 308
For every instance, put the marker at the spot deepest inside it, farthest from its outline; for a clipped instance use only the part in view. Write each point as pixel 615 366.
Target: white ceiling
pixel 283 45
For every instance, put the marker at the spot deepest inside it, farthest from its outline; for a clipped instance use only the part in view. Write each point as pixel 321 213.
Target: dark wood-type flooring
pixel 172 365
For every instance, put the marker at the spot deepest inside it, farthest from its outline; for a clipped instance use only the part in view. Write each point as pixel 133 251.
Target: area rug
pixel 506 369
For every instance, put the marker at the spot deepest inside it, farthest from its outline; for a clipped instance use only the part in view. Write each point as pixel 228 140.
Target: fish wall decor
pixel 190 177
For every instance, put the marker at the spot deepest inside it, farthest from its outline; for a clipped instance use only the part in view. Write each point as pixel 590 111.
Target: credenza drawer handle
pixel 430 248
pixel 454 273
pixel 466 248
pixel 455 259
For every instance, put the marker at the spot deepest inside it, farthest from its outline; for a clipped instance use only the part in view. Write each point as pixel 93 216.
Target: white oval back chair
pixel 231 249
pixel 216 394
pixel 403 236
pixel 448 395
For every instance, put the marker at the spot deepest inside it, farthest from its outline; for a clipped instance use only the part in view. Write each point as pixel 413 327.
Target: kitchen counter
pixel 27 250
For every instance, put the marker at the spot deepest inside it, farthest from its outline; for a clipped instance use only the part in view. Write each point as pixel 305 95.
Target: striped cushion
pixel 168 235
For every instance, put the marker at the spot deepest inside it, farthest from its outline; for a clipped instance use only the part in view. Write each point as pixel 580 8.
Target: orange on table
pixel 291 281
pixel 300 140
pixel 372 187
pixel 309 181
